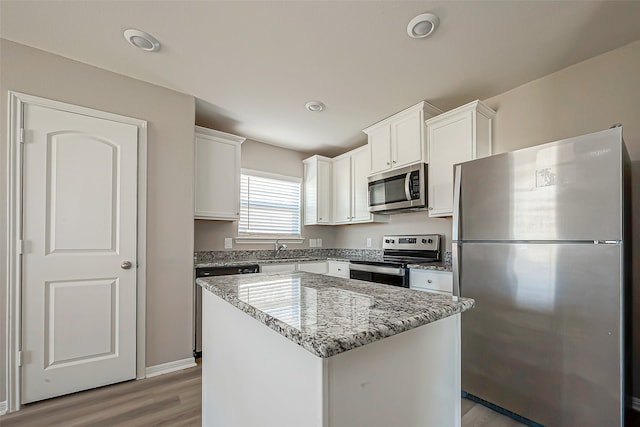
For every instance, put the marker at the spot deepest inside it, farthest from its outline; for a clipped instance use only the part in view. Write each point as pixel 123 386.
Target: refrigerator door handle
pixel 457 172
pixel 455 266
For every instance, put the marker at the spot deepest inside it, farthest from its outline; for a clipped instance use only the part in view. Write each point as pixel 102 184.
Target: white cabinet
pixel 350 198
pixel 431 280
pixel 217 175
pixel 317 198
pixel 319 267
pixel 278 267
pixel 342 189
pixel 338 268
pixel 400 139
pixel 455 136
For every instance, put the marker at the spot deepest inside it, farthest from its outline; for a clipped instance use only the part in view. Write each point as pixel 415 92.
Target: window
pixel 269 204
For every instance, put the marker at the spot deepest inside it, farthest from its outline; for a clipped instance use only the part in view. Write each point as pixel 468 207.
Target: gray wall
pixel 170 116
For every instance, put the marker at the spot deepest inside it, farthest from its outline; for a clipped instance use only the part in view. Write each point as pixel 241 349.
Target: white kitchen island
pixel 301 349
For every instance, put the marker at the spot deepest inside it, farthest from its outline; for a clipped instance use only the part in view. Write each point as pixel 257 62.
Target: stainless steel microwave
pixel 399 189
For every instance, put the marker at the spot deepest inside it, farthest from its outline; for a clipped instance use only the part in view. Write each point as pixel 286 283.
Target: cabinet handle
pixel 320 218
pixel 394 162
pixel 430 208
pixel 388 163
pixel 429 281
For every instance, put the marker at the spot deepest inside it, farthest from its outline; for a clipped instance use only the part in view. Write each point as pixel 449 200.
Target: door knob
pixel 126 265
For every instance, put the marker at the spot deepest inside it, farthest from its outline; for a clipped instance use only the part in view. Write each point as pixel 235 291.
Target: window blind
pixel 269 205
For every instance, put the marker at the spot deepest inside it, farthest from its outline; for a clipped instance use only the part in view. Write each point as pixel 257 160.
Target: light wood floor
pixel 168 400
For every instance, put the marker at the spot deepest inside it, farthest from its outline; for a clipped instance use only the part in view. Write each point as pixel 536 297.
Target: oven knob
pixel 393 241
pixel 430 240
pixel 424 240
pixel 386 240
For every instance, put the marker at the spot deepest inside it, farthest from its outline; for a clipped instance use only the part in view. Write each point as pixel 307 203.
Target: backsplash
pixel 252 255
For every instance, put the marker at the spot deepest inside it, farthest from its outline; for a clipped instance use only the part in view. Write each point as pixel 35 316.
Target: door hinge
pixel 21 136
pixel 20 358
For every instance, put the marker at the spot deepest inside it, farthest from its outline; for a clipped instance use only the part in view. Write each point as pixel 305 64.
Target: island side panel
pixel 410 379
pixel 253 376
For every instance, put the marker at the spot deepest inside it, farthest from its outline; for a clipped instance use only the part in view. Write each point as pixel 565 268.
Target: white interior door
pixel 79 230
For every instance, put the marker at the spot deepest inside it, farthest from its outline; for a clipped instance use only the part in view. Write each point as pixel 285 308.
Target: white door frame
pixel 14 232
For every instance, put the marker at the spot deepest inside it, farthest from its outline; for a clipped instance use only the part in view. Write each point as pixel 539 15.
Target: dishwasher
pixel 206 272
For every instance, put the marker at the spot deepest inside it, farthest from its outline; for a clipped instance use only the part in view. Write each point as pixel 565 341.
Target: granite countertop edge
pixel 423 266
pixel 339 344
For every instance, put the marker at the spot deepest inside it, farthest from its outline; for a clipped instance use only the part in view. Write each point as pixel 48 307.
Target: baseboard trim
pixel 165 368
pixel 635 403
pixel 3 407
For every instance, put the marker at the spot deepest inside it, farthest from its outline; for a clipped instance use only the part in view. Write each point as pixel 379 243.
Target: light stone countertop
pixel 439 266
pixel 330 315
pixel 231 263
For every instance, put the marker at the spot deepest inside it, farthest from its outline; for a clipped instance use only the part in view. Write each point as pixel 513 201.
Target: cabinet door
pixel 310 192
pixel 324 193
pixel 342 190
pixel 319 267
pixel 217 192
pixel 359 173
pixel 407 139
pixel 278 268
pixel 380 146
pixel 317 192
pixel 450 142
pixel 338 269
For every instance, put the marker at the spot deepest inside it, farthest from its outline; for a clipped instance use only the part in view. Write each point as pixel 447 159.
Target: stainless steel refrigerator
pixel 540 242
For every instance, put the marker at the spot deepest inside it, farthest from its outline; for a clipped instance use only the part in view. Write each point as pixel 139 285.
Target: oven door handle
pixel 377 269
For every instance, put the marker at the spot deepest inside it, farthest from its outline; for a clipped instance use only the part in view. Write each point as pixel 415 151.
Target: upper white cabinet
pixel 350 198
pixel 455 136
pixel 217 175
pixel 317 190
pixel 400 140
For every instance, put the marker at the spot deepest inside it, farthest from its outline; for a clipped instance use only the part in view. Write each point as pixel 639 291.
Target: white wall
pixel 170 117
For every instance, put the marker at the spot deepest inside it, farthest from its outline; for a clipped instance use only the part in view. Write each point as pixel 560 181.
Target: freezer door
pixel 544 339
pixel 565 190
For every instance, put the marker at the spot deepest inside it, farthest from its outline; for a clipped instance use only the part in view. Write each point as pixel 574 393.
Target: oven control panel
pixel 416 242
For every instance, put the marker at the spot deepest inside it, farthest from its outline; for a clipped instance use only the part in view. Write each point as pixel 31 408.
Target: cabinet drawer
pixel 431 280
pixel 338 268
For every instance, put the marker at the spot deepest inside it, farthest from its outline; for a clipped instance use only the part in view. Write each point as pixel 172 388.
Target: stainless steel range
pixel 399 251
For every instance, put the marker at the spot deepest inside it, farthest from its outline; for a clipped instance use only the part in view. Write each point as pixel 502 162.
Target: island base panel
pixel 252 375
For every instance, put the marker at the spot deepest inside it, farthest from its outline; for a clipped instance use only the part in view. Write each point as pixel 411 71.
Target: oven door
pixel 376 274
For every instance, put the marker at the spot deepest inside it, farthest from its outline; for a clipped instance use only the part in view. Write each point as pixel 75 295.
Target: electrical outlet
pixel 318 243
pixel 228 243
pixel 368 242
pixel 312 243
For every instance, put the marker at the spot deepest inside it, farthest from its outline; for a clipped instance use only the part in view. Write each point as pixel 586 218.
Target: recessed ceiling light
pixel 314 106
pixel 142 40
pixel 422 25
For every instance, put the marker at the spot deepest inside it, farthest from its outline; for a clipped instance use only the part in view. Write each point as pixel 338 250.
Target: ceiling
pixel 252 65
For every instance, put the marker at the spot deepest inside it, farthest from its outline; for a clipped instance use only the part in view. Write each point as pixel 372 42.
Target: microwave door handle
pixel 407 185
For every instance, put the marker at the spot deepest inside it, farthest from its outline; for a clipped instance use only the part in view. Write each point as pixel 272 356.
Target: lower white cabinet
pixel 338 268
pixel 431 280
pixel 278 268
pixel 319 267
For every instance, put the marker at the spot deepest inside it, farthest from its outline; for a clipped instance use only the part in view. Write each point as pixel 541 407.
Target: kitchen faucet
pixel 278 248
